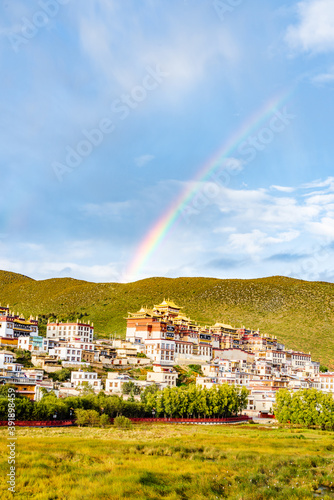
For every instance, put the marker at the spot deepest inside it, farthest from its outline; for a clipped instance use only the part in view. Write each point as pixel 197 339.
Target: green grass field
pixel 168 462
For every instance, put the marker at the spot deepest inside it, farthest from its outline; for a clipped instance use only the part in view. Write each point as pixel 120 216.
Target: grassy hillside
pixel 299 313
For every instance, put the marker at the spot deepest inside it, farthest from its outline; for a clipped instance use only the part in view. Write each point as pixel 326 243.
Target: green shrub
pixel 122 422
pixel 86 417
pixel 81 417
pixel 104 420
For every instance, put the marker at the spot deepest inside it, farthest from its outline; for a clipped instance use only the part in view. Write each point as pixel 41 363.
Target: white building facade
pixel 71 332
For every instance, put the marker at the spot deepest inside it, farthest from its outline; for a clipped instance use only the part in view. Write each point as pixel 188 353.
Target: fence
pixel 33 423
pixel 167 420
pixel 240 418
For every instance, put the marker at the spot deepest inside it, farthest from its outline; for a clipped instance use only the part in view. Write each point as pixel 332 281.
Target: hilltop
pixel 299 313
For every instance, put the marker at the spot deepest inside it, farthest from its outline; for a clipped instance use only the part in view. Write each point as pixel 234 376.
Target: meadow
pixel 171 462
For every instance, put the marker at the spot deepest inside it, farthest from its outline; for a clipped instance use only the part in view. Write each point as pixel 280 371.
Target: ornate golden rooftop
pixel 166 304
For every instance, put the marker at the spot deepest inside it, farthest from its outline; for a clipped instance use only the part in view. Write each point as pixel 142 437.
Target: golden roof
pixel 144 312
pixel 223 325
pixel 167 303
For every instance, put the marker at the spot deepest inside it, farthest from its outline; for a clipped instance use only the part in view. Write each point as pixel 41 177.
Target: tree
pixel 282 407
pixel 87 417
pixel 243 399
pixel 61 375
pixel 130 388
pixel 187 375
pixel 50 408
pixel 104 420
pixel 113 406
pixel 85 388
pixel 23 409
pixel 93 417
pixel 151 389
pixel 183 402
pixel 308 407
pixel 4 390
pixel 122 422
pixel 24 358
pixel 81 417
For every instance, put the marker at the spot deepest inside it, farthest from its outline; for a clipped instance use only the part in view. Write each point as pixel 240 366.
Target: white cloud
pixel 255 241
pixel 329 182
pixel 324 227
pixel 284 189
pixel 314 32
pixel 321 199
pixel 185 55
pixel 324 78
pixel 140 161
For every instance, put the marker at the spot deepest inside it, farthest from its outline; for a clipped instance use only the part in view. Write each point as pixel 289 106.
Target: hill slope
pixel 299 313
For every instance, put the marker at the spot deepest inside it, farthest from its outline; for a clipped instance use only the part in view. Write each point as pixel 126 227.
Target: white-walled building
pixel 33 343
pixel 72 332
pixel 297 359
pixel 79 377
pixel 115 381
pixel 15 325
pixel 276 357
pixel 5 358
pixel 160 351
pixel 33 374
pixel 8 364
pixel 86 346
pixel 234 354
pixel 262 400
pixel 66 353
pixel 326 382
pixel 162 376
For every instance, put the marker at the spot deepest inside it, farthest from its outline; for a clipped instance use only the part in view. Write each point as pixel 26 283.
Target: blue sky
pixel 110 108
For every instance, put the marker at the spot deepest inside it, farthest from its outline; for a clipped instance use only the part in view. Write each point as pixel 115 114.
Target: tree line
pixel 307 407
pixel 191 401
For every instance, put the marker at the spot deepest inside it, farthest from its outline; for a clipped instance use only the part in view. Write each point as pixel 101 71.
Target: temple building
pixel 14 325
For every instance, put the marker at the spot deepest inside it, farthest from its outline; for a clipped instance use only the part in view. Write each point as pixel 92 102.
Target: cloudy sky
pixel 112 110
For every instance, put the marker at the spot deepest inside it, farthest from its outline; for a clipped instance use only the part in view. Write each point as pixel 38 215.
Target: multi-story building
pixel 14 325
pixel 33 343
pixel 27 388
pixel 297 359
pixel 163 376
pixel 81 378
pixel 160 351
pixel 66 353
pixel 115 381
pixel 261 399
pixel 275 357
pixel 88 356
pixel 70 331
pixel 5 358
pixel 326 382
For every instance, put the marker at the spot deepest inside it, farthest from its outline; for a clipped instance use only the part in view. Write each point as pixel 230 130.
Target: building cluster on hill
pixel 158 339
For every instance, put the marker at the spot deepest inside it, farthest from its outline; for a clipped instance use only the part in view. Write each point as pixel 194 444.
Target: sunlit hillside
pixel 299 313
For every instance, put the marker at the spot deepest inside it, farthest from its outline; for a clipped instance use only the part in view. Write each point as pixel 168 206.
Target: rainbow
pixel 161 227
